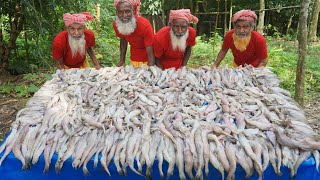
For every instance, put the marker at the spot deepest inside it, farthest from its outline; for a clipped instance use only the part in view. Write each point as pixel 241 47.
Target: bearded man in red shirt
pixel 248 46
pixel 136 30
pixel 173 43
pixel 69 47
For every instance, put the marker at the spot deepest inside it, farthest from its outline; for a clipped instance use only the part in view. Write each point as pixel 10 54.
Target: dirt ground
pixel 10 105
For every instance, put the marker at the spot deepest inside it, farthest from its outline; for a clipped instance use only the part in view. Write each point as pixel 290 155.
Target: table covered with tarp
pixel 197 122
pixel 11 169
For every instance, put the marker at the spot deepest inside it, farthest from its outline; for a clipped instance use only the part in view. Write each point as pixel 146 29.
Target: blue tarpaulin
pixel 11 169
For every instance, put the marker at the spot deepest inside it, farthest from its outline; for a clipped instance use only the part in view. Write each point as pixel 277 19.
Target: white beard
pixel 126 28
pixel 77 45
pixel 179 44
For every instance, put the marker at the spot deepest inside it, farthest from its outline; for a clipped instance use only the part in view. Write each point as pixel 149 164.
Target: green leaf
pixel 33 88
pixel 6 88
pixel 21 90
pixel 48 77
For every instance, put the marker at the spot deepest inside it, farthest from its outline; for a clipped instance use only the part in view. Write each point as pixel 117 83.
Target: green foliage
pixel 283 58
pixel 26 87
pixel 6 88
pixel 37 78
pixel 201 52
pixel 206 50
pixel 22 90
pixel 151 7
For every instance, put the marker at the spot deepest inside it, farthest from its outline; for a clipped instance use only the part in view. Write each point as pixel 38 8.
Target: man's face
pixel 243 29
pixel 179 27
pixel 76 30
pixel 125 11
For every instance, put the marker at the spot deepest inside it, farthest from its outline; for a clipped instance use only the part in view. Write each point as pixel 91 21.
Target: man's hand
pixel 158 64
pixel 97 66
pixel 214 67
pixel 121 63
pixel 59 63
pixel 222 53
pixel 151 64
pixel 263 63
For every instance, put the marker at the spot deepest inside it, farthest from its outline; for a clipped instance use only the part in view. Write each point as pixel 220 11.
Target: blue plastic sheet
pixel 11 169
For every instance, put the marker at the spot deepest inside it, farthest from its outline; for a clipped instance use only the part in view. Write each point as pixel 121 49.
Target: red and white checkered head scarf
pixel 244 15
pixel 81 18
pixel 183 14
pixel 135 4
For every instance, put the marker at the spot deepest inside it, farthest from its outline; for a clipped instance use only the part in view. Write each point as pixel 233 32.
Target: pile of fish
pixel 190 118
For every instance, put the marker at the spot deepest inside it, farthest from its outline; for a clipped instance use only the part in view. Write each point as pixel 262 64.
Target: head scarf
pixel 244 15
pixel 81 18
pixel 182 14
pixel 135 4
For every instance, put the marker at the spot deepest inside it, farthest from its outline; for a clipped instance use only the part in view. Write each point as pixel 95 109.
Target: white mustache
pixel 179 35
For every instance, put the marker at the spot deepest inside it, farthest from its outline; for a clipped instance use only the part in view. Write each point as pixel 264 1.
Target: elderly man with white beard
pixel 173 43
pixel 69 47
pixel 136 30
pixel 248 46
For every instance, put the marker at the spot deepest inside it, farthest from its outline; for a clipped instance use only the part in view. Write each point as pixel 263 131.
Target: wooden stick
pixel 9 101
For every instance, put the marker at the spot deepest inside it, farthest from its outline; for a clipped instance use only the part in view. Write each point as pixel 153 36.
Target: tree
pixel 303 43
pixel 261 17
pixel 15 13
pixel 314 21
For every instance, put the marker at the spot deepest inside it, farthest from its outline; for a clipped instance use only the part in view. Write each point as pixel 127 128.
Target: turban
pixel 135 4
pixel 182 14
pixel 76 18
pixel 244 15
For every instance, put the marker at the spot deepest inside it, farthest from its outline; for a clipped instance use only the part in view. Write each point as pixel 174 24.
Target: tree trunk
pixel 314 21
pixel 261 17
pixel 16 28
pixel 26 45
pixel 303 43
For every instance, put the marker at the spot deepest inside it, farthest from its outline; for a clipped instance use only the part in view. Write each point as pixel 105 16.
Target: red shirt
pixel 163 48
pixel 256 49
pixel 61 48
pixel 141 38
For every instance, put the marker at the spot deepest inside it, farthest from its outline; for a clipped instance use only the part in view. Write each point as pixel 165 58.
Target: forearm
pixel 186 56
pixel 150 54
pixel 123 49
pixel 93 57
pixel 219 58
pixel 263 63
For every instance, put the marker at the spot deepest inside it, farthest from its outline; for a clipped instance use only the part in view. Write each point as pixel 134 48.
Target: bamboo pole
pixel 230 16
pixel 98 18
pixel 225 16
